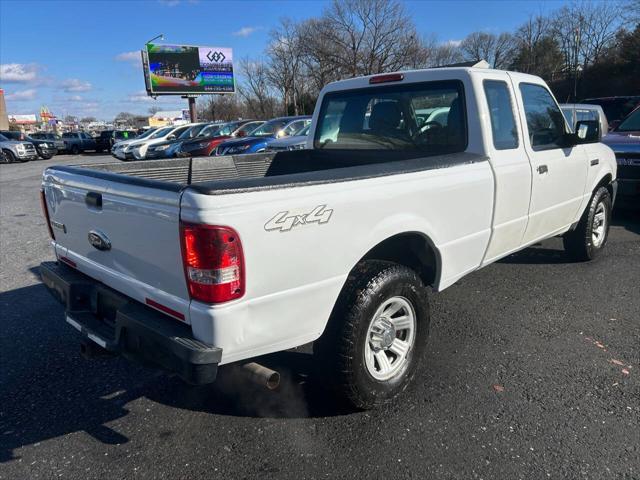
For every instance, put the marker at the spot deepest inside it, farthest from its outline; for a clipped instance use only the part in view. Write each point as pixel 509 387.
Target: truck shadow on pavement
pixel 48 390
pixel 551 251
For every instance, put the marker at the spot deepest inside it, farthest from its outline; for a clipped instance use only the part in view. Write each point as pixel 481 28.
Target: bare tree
pixel 284 55
pixel 584 30
pixel 255 90
pixel 370 36
pixel 445 54
pixel 495 49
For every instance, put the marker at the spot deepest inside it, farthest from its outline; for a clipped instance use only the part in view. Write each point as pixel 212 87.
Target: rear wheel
pixel 376 335
pixel 590 236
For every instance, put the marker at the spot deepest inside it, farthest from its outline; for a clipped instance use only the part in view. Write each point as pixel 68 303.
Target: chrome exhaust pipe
pixel 260 375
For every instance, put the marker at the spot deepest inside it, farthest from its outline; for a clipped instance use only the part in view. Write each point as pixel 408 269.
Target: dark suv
pixel 107 138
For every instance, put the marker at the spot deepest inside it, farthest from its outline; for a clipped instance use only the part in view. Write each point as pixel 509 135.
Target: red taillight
pixel 213 262
pixel 45 212
pixel 391 77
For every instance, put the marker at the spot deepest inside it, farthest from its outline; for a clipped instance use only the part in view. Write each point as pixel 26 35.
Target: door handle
pixel 543 169
pixel 595 162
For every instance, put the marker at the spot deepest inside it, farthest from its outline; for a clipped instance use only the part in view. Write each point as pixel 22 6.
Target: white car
pixel 214 261
pixel 139 149
pixel 121 149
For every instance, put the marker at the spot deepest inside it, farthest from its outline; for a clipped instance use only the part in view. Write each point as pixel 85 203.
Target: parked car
pixel 122 150
pixel 576 112
pixel 3 157
pixel 615 108
pixel 162 135
pixel 46 148
pixel 297 141
pixel 263 135
pixel 169 148
pixel 206 142
pixel 624 140
pixel 79 142
pixel 54 138
pixel 17 150
pixel 107 138
pixel 217 261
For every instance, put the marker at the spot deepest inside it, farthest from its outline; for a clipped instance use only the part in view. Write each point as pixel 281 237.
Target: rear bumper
pixel 126 327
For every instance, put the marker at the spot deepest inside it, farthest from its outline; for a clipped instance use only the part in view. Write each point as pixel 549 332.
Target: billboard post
pixel 193 114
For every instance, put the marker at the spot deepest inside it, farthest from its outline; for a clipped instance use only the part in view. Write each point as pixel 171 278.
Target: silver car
pixel 576 112
pixel 296 142
pixel 17 151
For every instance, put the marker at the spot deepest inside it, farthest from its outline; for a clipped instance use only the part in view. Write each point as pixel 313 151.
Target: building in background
pixel 174 117
pixel 4 119
pixel 26 123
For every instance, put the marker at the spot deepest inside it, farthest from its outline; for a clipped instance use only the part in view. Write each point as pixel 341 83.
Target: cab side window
pixel 503 123
pixel 545 121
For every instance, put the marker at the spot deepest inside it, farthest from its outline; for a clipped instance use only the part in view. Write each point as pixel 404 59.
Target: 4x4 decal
pixel 284 221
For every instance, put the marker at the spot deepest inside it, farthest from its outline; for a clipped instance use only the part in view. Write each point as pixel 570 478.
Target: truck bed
pixel 241 173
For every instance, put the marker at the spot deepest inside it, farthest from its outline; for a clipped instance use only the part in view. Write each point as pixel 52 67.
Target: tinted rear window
pixel 424 119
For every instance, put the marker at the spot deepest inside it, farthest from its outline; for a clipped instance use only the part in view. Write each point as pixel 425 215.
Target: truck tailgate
pixel 122 234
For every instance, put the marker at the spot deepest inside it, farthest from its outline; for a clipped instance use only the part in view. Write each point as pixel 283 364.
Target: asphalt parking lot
pixel 533 372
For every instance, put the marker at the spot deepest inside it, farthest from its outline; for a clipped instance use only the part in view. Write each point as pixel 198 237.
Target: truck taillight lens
pixel 45 212
pixel 213 262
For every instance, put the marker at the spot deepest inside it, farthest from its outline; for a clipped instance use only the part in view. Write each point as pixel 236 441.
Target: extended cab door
pixel 510 163
pixel 559 172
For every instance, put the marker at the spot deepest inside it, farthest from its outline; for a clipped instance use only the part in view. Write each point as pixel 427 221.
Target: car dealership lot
pixel 533 371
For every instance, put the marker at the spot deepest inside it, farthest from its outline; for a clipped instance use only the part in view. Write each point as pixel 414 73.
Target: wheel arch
pixel 412 249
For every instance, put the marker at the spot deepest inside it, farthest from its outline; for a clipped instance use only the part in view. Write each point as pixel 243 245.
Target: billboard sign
pixel 188 70
pixel 29 119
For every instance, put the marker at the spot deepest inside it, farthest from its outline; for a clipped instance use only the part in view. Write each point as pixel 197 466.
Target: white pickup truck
pixel 410 180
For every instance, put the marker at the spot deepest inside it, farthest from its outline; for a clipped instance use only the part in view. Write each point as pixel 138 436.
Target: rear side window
pixel 503 123
pixel 545 122
pixel 425 118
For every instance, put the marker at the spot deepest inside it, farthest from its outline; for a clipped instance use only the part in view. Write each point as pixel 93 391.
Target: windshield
pixel 269 129
pixel 146 133
pixel 162 132
pixel 304 132
pixel 3 138
pixel 247 129
pixel 631 123
pixel 191 132
pixel 210 131
pixel 426 118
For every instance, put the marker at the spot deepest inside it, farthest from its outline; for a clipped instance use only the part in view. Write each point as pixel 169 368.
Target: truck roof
pixel 426 74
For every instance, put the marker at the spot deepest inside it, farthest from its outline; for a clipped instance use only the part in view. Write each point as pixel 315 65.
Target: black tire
pixel 580 244
pixel 340 351
pixel 75 150
pixel 46 157
pixel 8 156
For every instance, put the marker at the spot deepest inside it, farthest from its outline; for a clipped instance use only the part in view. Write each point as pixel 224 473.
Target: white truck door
pixel 558 172
pixel 504 144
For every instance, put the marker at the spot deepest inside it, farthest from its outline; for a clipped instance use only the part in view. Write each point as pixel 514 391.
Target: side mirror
pixel 171 137
pixel 241 133
pixel 588 131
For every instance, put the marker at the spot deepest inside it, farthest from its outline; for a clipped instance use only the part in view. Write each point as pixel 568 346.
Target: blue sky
pixel 80 57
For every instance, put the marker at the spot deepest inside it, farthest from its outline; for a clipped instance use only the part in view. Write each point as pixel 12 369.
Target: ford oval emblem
pixel 99 240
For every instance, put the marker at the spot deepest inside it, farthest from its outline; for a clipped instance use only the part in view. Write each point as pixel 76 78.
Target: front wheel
pixel 8 157
pixel 75 150
pixel 376 335
pixel 589 237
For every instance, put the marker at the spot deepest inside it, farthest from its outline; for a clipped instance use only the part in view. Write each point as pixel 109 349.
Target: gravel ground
pixel 533 372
